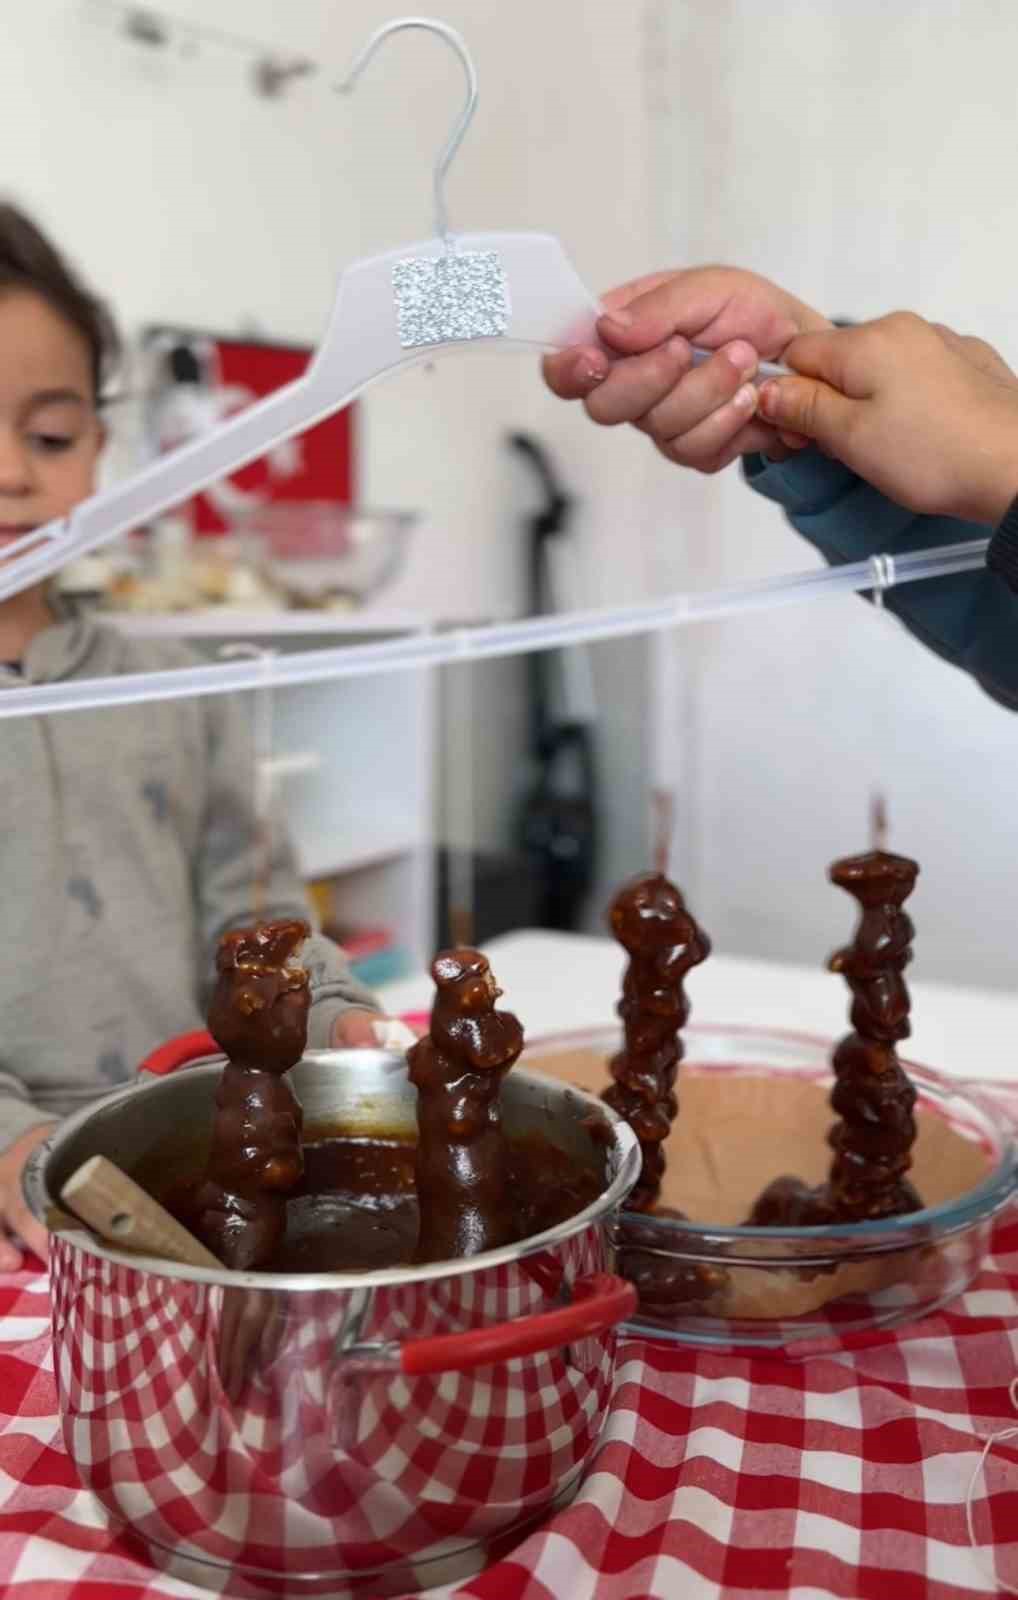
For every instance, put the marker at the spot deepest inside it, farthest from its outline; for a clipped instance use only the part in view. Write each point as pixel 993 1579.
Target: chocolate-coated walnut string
pixel 464 1182
pixel 258 1017
pixel 649 918
pixel 874 1099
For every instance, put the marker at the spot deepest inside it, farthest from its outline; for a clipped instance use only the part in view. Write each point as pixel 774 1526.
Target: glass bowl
pixel 803 1290
pixel 320 553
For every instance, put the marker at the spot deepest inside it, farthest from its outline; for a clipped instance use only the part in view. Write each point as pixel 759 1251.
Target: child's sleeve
pixel 970 618
pixel 228 865
pixel 17 1113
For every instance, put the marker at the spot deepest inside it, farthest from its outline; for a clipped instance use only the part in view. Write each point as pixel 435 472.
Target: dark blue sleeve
pixel 971 619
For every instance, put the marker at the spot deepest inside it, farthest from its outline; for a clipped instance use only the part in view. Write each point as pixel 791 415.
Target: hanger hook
pixel 462 122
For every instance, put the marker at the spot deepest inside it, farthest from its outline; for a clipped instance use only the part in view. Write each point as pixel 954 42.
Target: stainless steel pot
pixel 313 1435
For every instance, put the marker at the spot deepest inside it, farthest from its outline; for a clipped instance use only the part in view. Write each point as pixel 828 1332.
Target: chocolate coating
pixel 874 1099
pixel 666 1285
pixel 649 919
pixel 464 1176
pixel 258 1017
pixel 787 1202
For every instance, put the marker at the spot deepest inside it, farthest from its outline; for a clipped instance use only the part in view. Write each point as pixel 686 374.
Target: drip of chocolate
pixel 665 1283
pixel 872 1141
pixel 258 1016
pixel 464 1183
pixel 649 918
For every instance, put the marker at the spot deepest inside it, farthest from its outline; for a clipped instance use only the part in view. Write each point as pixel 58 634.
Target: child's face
pixel 50 433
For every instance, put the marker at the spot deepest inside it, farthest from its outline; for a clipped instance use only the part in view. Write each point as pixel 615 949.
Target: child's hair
pixel 29 261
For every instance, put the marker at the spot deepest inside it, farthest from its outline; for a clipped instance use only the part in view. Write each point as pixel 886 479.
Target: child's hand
pixel 928 417
pixel 700 417
pixel 355 1029
pixel 15 1217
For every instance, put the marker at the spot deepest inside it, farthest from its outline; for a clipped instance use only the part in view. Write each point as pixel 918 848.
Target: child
pixel 129 845
pixel 899 434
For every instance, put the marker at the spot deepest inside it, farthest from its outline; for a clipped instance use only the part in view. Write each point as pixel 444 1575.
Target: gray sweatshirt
pixel 128 848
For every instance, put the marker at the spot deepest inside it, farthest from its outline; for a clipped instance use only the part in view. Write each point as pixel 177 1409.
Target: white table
pixel 564 981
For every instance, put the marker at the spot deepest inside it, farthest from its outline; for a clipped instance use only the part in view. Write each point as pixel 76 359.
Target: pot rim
pixel 625 1151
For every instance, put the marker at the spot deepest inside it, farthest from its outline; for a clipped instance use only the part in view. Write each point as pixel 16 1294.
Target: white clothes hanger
pixel 451 292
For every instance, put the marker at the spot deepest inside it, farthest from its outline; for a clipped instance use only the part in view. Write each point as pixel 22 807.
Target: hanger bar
pixel 491 640
pixel 548 307
pixel 158 487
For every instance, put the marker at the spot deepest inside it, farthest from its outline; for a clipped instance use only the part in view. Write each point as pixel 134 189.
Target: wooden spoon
pixel 128 1218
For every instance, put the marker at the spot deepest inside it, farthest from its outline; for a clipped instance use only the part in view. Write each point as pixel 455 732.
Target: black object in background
pixel 506 896
pixel 557 823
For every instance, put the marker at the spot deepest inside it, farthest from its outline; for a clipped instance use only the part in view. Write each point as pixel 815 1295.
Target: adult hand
pixel 924 414
pixel 702 417
pixel 16 1221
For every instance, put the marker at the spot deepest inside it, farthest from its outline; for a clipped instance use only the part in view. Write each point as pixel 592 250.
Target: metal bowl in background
pixel 317 1434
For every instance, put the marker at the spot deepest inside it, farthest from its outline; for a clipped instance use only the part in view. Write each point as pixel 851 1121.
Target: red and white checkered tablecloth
pixel 717 1476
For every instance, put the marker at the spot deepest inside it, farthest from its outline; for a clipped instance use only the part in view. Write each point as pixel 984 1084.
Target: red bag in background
pixel 200 378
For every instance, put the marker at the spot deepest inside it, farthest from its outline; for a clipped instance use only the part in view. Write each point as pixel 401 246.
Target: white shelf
pixel 222 622
pixel 354 758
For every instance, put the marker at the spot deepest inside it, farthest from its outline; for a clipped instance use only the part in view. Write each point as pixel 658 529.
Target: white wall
pixel 188 199
pixel 860 153
pixel 863 156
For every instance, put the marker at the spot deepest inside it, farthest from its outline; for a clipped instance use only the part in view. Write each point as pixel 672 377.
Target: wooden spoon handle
pixel 122 1214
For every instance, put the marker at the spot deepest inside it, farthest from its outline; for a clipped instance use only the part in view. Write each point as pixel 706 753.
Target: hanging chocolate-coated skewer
pixel 464 1179
pixel 650 920
pixel 258 1016
pixel 874 1099
pixel 873 1141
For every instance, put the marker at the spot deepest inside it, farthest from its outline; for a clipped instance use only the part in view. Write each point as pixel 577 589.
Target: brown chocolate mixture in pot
pixel 355 1208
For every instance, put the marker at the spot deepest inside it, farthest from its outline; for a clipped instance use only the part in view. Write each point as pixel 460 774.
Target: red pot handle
pixel 546 1270
pixel 178 1052
pixel 600 1301
pixel 416 1019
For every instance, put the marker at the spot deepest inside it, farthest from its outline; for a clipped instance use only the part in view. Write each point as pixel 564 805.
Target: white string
pixel 884 578
pixel 671 743
pixel 263 774
pixel 989 1570
pixel 461 822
